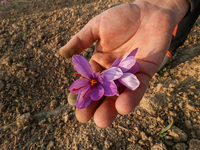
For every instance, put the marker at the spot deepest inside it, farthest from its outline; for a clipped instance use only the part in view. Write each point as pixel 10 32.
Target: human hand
pixel 119 30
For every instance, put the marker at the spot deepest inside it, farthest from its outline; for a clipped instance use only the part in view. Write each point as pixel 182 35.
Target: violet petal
pixel 82 66
pixel 80 86
pixel 110 88
pixel 134 68
pixel 129 80
pixel 132 53
pixel 83 100
pixel 112 73
pixel 116 62
pixel 127 63
pixel 97 92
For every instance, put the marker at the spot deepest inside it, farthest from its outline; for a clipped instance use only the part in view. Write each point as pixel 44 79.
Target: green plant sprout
pixel 42 146
pixel 163 133
pixel 57 97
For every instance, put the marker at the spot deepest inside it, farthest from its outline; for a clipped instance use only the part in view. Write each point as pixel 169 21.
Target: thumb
pixel 82 40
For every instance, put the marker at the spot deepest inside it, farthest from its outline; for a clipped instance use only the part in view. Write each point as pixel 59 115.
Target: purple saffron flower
pixel 129 66
pixel 2 2
pixel 91 85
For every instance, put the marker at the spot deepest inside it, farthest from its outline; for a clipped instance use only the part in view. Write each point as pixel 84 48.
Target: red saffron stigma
pixel 78 88
pixel 86 92
pixel 80 76
pixel 77 74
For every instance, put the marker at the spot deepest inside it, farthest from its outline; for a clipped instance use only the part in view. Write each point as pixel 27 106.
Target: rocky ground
pixel 34 83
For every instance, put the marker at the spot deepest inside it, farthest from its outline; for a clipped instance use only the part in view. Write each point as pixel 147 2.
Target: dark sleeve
pixel 193 4
pixel 185 26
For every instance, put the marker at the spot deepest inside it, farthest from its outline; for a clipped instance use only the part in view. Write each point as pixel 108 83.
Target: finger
pixel 83 39
pixel 106 112
pixel 129 99
pixel 84 115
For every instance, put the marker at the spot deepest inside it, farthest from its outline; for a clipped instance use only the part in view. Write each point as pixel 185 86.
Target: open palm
pixel 118 31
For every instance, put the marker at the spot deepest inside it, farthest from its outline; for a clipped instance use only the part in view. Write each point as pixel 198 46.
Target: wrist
pixel 178 8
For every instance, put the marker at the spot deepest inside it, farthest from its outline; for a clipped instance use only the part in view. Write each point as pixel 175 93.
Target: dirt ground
pixel 34 83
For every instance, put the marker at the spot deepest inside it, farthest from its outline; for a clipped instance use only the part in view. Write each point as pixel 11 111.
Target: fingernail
pixel 72 99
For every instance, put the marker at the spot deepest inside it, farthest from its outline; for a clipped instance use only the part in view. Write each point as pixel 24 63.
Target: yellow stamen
pixel 93 81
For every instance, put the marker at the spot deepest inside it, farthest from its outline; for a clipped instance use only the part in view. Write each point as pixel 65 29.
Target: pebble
pixel 50 145
pixel 7 61
pixel 181 146
pixel 133 139
pixel 188 124
pixel 189 107
pixel 194 144
pixel 134 147
pixel 23 120
pixel 173 113
pixel 177 134
pixel 198 116
pixel 158 87
pixel 95 148
pixel 159 146
pixel 53 104
pixel 58 40
pixel 66 118
pixel 143 135
pixel 198 132
pixel 2 107
pixel 41 123
pixel 107 144
pixel 2 85
pixel 160 120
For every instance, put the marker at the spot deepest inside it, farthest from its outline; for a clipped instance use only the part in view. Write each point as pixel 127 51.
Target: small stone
pixel 134 147
pixel 173 113
pixel 7 61
pixel 107 144
pixel 159 146
pixel 142 142
pixel 2 107
pixel 198 132
pixel 177 134
pixel 189 107
pixel 188 124
pixel 181 146
pixel 158 87
pixel 57 55
pixel 152 125
pixel 58 40
pixel 198 116
pixel 2 85
pixel 95 148
pixel 143 135
pixel 41 123
pixel 19 109
pixel 24 120
pixel 72 99
pixel 168 138
pixel 50 145
pixel 66 118
pixel 133 139
pixel 160 120
pixel 194 144
pixel 103 135
pixel 53 104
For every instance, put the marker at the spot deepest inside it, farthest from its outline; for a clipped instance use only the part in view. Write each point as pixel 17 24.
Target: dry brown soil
pixel 34 83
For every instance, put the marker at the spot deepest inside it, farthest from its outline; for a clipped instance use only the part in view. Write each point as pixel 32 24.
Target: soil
pixel 34 83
